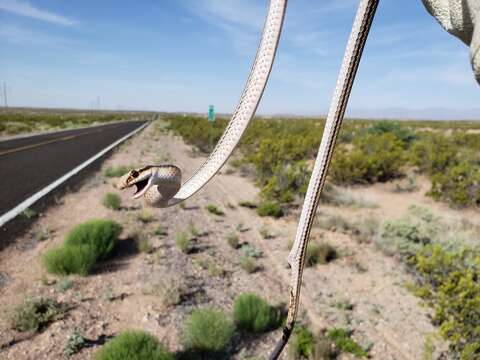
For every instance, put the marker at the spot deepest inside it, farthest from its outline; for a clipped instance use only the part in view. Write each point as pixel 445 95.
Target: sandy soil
pixel 363 290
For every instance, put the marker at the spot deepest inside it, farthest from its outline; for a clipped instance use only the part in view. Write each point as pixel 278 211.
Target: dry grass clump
pixel 112 201
pixel 35 314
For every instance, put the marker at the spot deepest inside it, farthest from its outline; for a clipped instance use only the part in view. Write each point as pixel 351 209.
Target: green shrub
pixel 66 260
pixel 302 345
pixel 115 171
pixel 36 314
pixel 252 313
pixel 101 235
pixel 112 201
pixel 270 208
pixel 449 281
pixel 406 235
pixel 320 254
pixel 232 240
pixel 459 184
pixel 344 342
pixel 134 345
pixel 250 251
pixel 161 231
pixel 83 247
pixel 75 343
pixel 248 264
pixel 401 132
pixel 213 209
pixel 373 158
pixel 208 330
pixel 184 243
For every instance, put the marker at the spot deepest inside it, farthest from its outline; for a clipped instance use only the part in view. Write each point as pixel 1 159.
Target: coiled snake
pixel 161 185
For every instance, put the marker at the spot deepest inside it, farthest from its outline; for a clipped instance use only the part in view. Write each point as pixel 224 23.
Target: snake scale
pixel 160 185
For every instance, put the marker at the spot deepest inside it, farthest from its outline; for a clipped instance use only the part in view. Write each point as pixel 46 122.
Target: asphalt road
pixel 29 164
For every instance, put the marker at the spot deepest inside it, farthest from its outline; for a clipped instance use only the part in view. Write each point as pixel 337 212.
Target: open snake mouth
pixel 141 187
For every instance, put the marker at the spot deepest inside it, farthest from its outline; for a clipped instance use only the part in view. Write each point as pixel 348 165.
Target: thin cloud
pixel 26 9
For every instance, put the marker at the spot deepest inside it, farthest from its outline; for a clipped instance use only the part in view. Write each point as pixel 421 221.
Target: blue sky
pixel 181 55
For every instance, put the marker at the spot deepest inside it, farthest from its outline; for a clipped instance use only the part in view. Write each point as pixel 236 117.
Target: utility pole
pixel 5 101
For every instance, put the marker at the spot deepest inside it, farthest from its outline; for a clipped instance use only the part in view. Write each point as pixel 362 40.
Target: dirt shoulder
pixel 363 290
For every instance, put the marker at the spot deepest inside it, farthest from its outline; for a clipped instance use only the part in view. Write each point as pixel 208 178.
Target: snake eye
pixel 135 173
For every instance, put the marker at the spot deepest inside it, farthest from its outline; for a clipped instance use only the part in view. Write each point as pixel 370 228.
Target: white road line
pixel 9 215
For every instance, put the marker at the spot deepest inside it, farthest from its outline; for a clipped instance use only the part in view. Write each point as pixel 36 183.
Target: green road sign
pixel 211 113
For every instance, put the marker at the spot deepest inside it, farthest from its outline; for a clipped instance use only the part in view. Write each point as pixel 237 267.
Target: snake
pixel 161 185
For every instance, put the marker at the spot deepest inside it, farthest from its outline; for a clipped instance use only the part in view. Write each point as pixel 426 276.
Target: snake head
pixel 156 183
pixel 142 179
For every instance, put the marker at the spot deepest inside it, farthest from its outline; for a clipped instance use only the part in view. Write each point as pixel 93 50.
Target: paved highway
pixel 29 164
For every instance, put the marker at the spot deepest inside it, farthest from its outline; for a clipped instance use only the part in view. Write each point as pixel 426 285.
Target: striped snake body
pixel 161 185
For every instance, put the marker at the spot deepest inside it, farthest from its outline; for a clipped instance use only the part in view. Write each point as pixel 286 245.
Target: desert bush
pixel 161 231
pixel 408 234
pixel 433 153
pixel 35 314
pixel 75 343
pixel 459 184
pixel 208 330
pixel 372 158
pixel 112 201
pixel 117 171
pixel 232 240
pixel 66 260
pixel 213 209
pixel 145 216
pixel 270 208
pixel 304 345
pixel 170 289
pixel 250 251
pixel 101 235
pixel 134 345
pixel 83 247
pixel 401 132
pixel 344 342
pixel 184 243
pixel 248 264
pixel 449 281
pixel 254 314
pixel 321 253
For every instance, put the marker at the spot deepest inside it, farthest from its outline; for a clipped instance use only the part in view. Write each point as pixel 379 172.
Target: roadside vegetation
pixel 25 121
pixel 83 248
pixel 280 151
pixel 329 344
pixel 134 345
pixel 35 314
